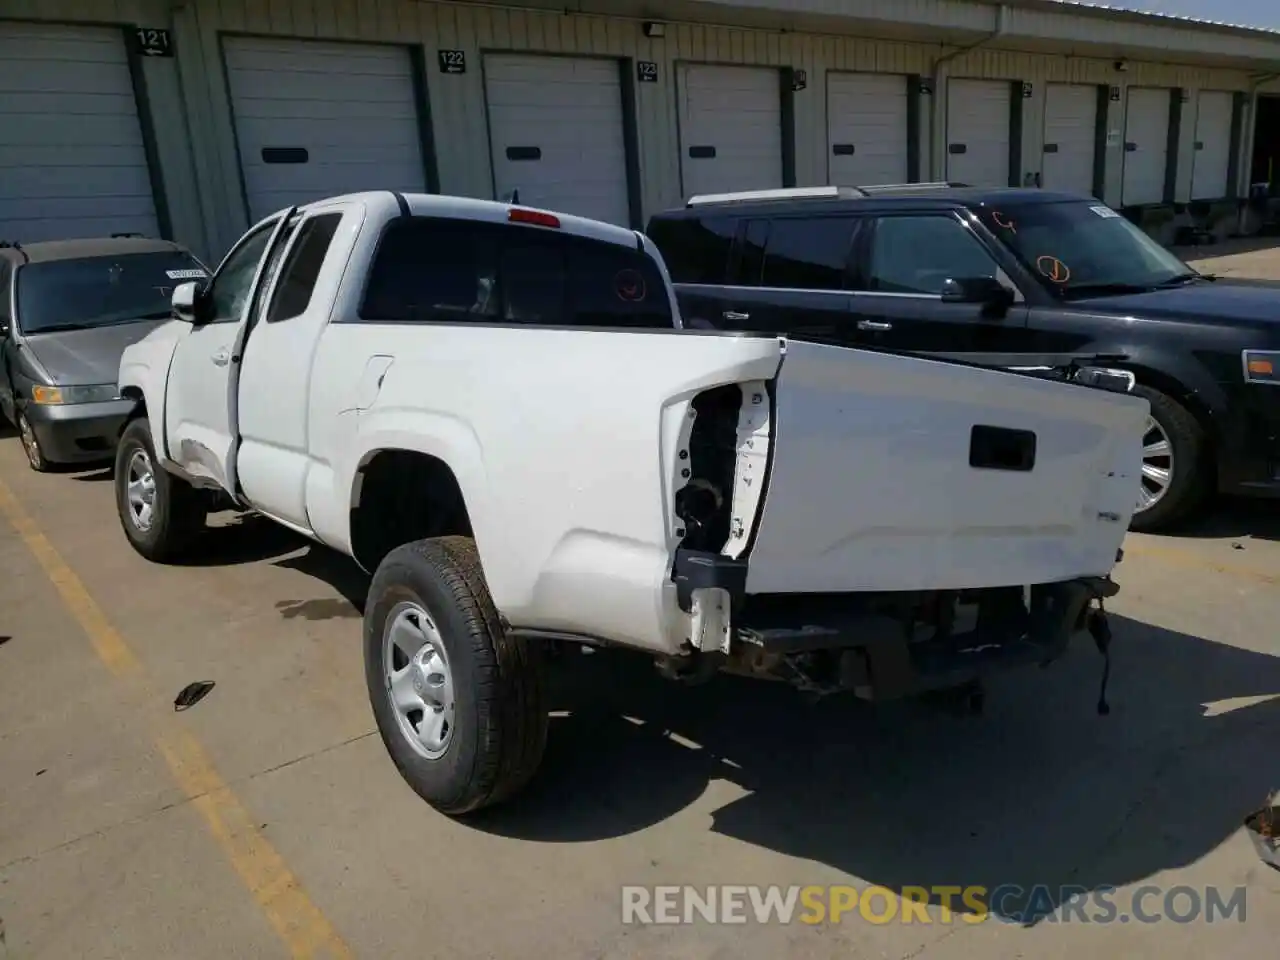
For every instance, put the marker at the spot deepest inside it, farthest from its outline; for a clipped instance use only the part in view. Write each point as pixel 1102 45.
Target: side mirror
pixel 987 291
pixel 187 301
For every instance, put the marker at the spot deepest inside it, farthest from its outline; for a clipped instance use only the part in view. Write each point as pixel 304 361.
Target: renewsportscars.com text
pixel 930 905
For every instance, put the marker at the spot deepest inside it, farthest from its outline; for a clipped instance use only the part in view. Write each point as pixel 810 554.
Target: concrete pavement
pixel 268 821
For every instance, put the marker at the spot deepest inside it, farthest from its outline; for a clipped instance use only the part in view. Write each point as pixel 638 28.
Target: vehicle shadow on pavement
pixel 1234 517
pixel 236 538
pixel 1039 791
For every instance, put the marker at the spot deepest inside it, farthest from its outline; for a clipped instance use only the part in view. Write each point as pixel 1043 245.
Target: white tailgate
pixel 871 487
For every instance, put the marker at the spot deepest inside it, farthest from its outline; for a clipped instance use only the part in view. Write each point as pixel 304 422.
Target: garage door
pixel 1070 136
pixel 317 119
pixel 978 113
pixel 730 129
pixel 72 162
pixel 866 128
pixel 1146 145
pixel 1212 158
pixel 555 128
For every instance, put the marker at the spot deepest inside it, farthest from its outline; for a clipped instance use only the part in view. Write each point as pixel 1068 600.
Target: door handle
pixel 877 325
pixel 222 357
pixel 735 315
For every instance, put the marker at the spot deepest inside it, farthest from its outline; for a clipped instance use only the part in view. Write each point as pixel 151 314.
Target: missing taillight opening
pixel 726 461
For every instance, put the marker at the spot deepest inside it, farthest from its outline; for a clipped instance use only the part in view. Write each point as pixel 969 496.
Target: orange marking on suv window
pixel 1054 269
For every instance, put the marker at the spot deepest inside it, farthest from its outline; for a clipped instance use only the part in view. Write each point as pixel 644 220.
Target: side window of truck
pixel 917 254
pixel 234 280
pixel 301 268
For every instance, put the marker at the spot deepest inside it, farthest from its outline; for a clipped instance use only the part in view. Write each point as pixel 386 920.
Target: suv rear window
pixel 450 271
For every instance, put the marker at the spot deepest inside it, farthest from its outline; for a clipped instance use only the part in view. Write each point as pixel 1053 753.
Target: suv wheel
pixel 1175 474
pixel 459 703
pixel 160 513
pixel 31 445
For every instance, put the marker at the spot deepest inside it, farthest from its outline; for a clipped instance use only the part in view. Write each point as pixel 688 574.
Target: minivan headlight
pixel 80 393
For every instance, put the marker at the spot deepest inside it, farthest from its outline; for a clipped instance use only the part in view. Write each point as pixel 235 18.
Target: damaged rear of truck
pixel 903 526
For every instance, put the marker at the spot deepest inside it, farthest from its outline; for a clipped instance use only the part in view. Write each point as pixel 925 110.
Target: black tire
pixel 178 510
pixel 36 459
pixel 1192 474
pixel 499 727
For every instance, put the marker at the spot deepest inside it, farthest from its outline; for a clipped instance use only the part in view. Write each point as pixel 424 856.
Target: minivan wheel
pixel 459 702
pixel 31 445
pixel 160 513
pixel 1175 469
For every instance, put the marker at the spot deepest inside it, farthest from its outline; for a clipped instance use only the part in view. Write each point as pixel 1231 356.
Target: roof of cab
pixel 470 208
pixel 85 248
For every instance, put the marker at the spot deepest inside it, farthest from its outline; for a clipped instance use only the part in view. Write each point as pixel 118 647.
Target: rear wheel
pixel 160 513
pixel 1175 464
pixel 460 703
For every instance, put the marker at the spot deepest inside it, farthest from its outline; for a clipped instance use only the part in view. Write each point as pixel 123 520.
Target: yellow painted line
pixel 304 930
pixel 1185 558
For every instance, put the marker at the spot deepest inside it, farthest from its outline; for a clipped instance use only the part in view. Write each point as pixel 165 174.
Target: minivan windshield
pixel 100 291
pixel 1080 249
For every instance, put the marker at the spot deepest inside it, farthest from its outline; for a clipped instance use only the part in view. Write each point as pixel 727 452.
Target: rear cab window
pixel 439 270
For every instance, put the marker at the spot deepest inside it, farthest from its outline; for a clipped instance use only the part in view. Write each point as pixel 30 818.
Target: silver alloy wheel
pixel 418 679
pixel 140 477
pixel 30 445
pixel 1157 465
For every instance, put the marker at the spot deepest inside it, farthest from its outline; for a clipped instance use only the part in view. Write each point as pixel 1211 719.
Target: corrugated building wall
pixel 189 100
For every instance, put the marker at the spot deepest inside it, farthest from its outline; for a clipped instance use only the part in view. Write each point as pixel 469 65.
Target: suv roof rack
pixel 821 193
pixel 786 193
pixel 910 187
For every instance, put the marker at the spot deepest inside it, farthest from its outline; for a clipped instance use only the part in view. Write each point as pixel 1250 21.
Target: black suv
pixel 953 270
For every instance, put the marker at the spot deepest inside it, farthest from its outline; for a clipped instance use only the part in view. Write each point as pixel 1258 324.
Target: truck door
pixel 275 389
pixel 200 408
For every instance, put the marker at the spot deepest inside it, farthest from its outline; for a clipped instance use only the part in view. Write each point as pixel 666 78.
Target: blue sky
pixel 1252 13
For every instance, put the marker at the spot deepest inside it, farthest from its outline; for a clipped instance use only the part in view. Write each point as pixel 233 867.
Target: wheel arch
pixel 401 494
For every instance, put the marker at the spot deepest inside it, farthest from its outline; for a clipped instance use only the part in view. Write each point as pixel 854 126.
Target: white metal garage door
pixel 1212 157
pixel 1146 145
pixel 1070 137
pixel 730 128
pixel 555 128
pixel 978 113
pixel 866 128
pixel 72 162
pixel 317 119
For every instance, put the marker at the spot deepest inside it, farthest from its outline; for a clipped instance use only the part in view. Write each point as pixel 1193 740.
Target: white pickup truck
pixel 496 412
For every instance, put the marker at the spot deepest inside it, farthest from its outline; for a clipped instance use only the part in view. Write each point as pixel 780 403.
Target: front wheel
pixel 160 513
pixel 31 445
pixel 459 702
pixel 1175 464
